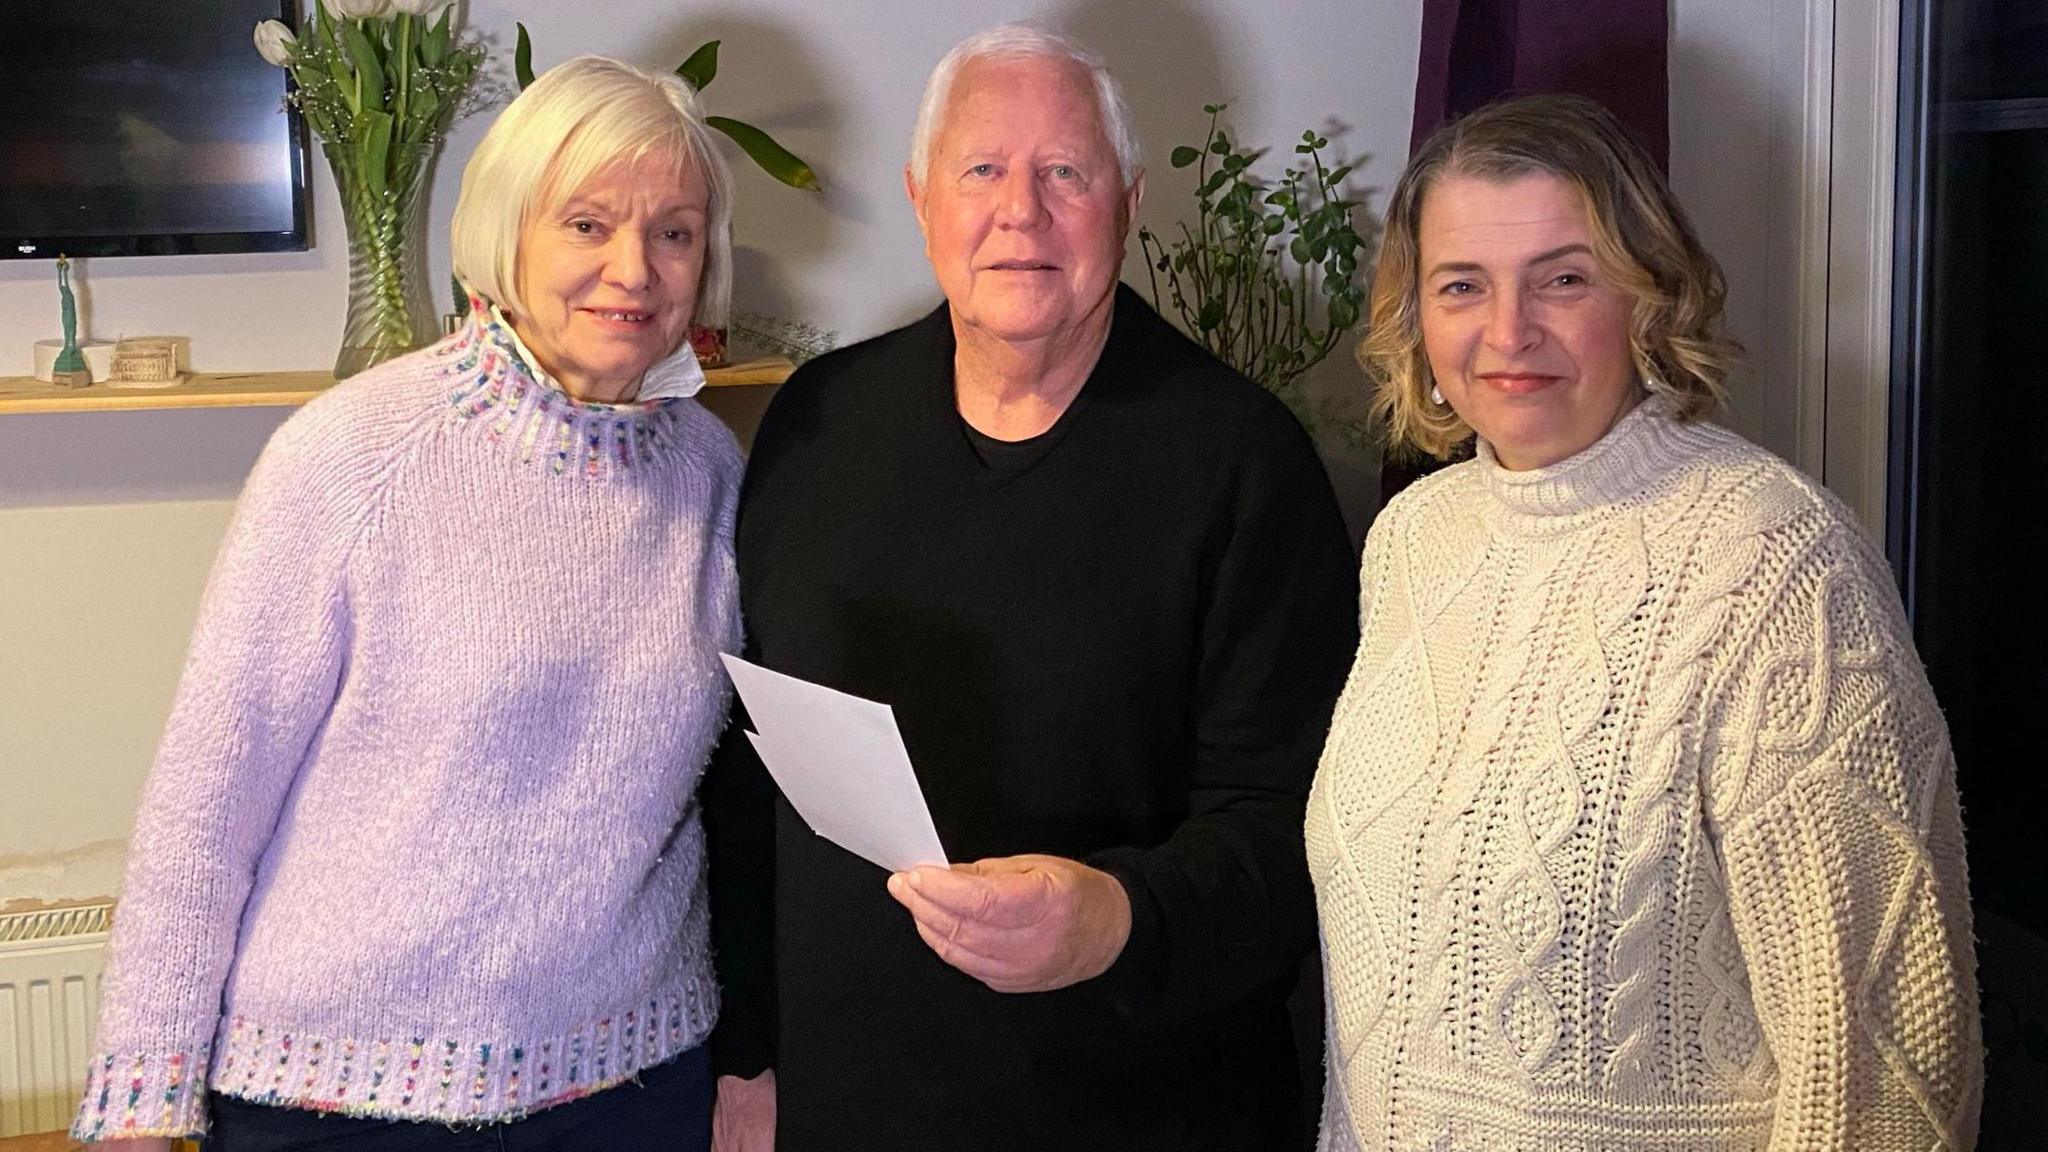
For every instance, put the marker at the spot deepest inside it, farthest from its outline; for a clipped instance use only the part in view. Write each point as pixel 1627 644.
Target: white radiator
pixel 50 966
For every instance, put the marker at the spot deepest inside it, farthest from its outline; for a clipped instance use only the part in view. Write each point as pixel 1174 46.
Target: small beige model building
pixel 146 362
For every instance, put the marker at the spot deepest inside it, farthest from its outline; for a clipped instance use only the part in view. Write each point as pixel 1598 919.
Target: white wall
pixel 108 521
pixel 1738 89
pixel 99 601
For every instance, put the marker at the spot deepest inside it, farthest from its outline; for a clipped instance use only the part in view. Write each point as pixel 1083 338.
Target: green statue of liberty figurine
pixel 70 359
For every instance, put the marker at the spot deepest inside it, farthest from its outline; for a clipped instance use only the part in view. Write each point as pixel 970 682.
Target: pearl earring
pixel 1436 394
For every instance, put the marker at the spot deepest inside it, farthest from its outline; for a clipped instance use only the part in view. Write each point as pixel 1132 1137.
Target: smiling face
pixel 608 276
pixel 1023 207
pixel 1525 332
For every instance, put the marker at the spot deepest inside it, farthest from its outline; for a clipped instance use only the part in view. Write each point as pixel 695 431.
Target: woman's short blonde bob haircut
pixel 577 119
pixel 1640 237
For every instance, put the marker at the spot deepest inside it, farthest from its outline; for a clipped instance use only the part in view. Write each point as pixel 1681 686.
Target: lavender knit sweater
pixel 421 839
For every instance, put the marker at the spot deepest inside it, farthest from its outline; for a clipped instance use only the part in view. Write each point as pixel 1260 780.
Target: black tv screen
pixel 136 128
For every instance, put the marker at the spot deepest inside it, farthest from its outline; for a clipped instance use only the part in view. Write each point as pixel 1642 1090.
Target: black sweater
pixel 1124 653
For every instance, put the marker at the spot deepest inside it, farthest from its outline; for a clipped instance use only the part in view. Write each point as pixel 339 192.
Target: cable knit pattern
pixel 1637 824
pixel 421 839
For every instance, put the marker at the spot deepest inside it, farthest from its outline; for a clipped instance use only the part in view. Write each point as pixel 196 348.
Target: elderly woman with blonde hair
pixel 419 864
pixel 1637 824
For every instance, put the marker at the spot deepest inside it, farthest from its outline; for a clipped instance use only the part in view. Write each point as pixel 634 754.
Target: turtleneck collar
pixel 676 375
pixel 1643 447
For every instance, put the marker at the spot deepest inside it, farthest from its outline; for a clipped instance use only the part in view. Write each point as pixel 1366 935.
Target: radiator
pixel 50 964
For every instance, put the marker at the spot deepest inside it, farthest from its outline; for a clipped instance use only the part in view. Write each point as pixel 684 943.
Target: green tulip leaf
pixel 368 67
pixel 323 25
pixel 344 81
pixel 434 46
pixel 522 59
pixel 374 149
pixel 773 158
pixel 425 106
pixel 701 68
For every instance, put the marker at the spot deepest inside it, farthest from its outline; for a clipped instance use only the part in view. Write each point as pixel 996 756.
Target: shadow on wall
pixel 57 460
pixel 1719 164
pixel 767 77
pixel 1168 55
pixel 33 881
pixel 1170 58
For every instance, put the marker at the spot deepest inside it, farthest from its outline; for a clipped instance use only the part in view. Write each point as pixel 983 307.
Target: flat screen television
pixel 140 128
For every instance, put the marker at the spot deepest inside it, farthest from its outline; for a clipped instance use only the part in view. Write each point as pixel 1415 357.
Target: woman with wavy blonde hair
pixel 1637 824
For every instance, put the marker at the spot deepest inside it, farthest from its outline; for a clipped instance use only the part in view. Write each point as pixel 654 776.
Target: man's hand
pixel 743 1118
pixel 1019 923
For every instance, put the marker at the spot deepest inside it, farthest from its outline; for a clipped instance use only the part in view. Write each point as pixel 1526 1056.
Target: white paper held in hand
pixel 841 762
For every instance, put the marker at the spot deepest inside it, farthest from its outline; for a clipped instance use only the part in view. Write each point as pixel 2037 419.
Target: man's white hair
pixel 1018 42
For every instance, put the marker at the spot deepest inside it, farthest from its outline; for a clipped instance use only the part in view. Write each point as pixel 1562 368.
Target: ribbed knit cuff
pixel 159 1094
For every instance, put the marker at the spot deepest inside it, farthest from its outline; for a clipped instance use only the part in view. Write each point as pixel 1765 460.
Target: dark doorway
pixel 1968 505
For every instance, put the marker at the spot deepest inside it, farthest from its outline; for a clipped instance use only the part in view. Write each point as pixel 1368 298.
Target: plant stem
pixel 402 62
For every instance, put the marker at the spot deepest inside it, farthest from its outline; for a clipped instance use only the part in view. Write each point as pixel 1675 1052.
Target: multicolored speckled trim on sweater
pixel 438 1078
pixel 413 1078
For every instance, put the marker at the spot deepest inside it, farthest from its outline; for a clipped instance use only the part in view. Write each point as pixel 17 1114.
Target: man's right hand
pixel 743 1118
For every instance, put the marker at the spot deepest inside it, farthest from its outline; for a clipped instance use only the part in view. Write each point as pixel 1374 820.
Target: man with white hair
pixel 1103 582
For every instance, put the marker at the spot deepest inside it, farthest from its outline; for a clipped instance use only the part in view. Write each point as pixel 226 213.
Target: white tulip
pixel 358 9
pixel 275 42
pixel 419 7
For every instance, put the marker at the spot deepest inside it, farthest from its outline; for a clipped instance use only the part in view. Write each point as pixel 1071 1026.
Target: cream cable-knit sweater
pixel 1637 826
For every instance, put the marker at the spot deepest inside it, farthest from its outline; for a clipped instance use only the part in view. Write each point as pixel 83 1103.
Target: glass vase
pixel 389 308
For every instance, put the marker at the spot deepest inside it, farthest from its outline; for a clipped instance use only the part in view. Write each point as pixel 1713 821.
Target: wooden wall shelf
pixel 269 389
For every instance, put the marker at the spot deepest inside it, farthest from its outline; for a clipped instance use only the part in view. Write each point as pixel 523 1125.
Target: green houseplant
pixel 1266 277
pixel 698 71
pixel 379 81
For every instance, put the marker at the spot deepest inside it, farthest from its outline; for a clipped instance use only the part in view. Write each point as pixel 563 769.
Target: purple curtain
pixel 1477 51
pixel 1614 51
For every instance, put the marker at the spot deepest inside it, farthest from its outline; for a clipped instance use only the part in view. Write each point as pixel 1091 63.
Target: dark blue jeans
pixel 667 1110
